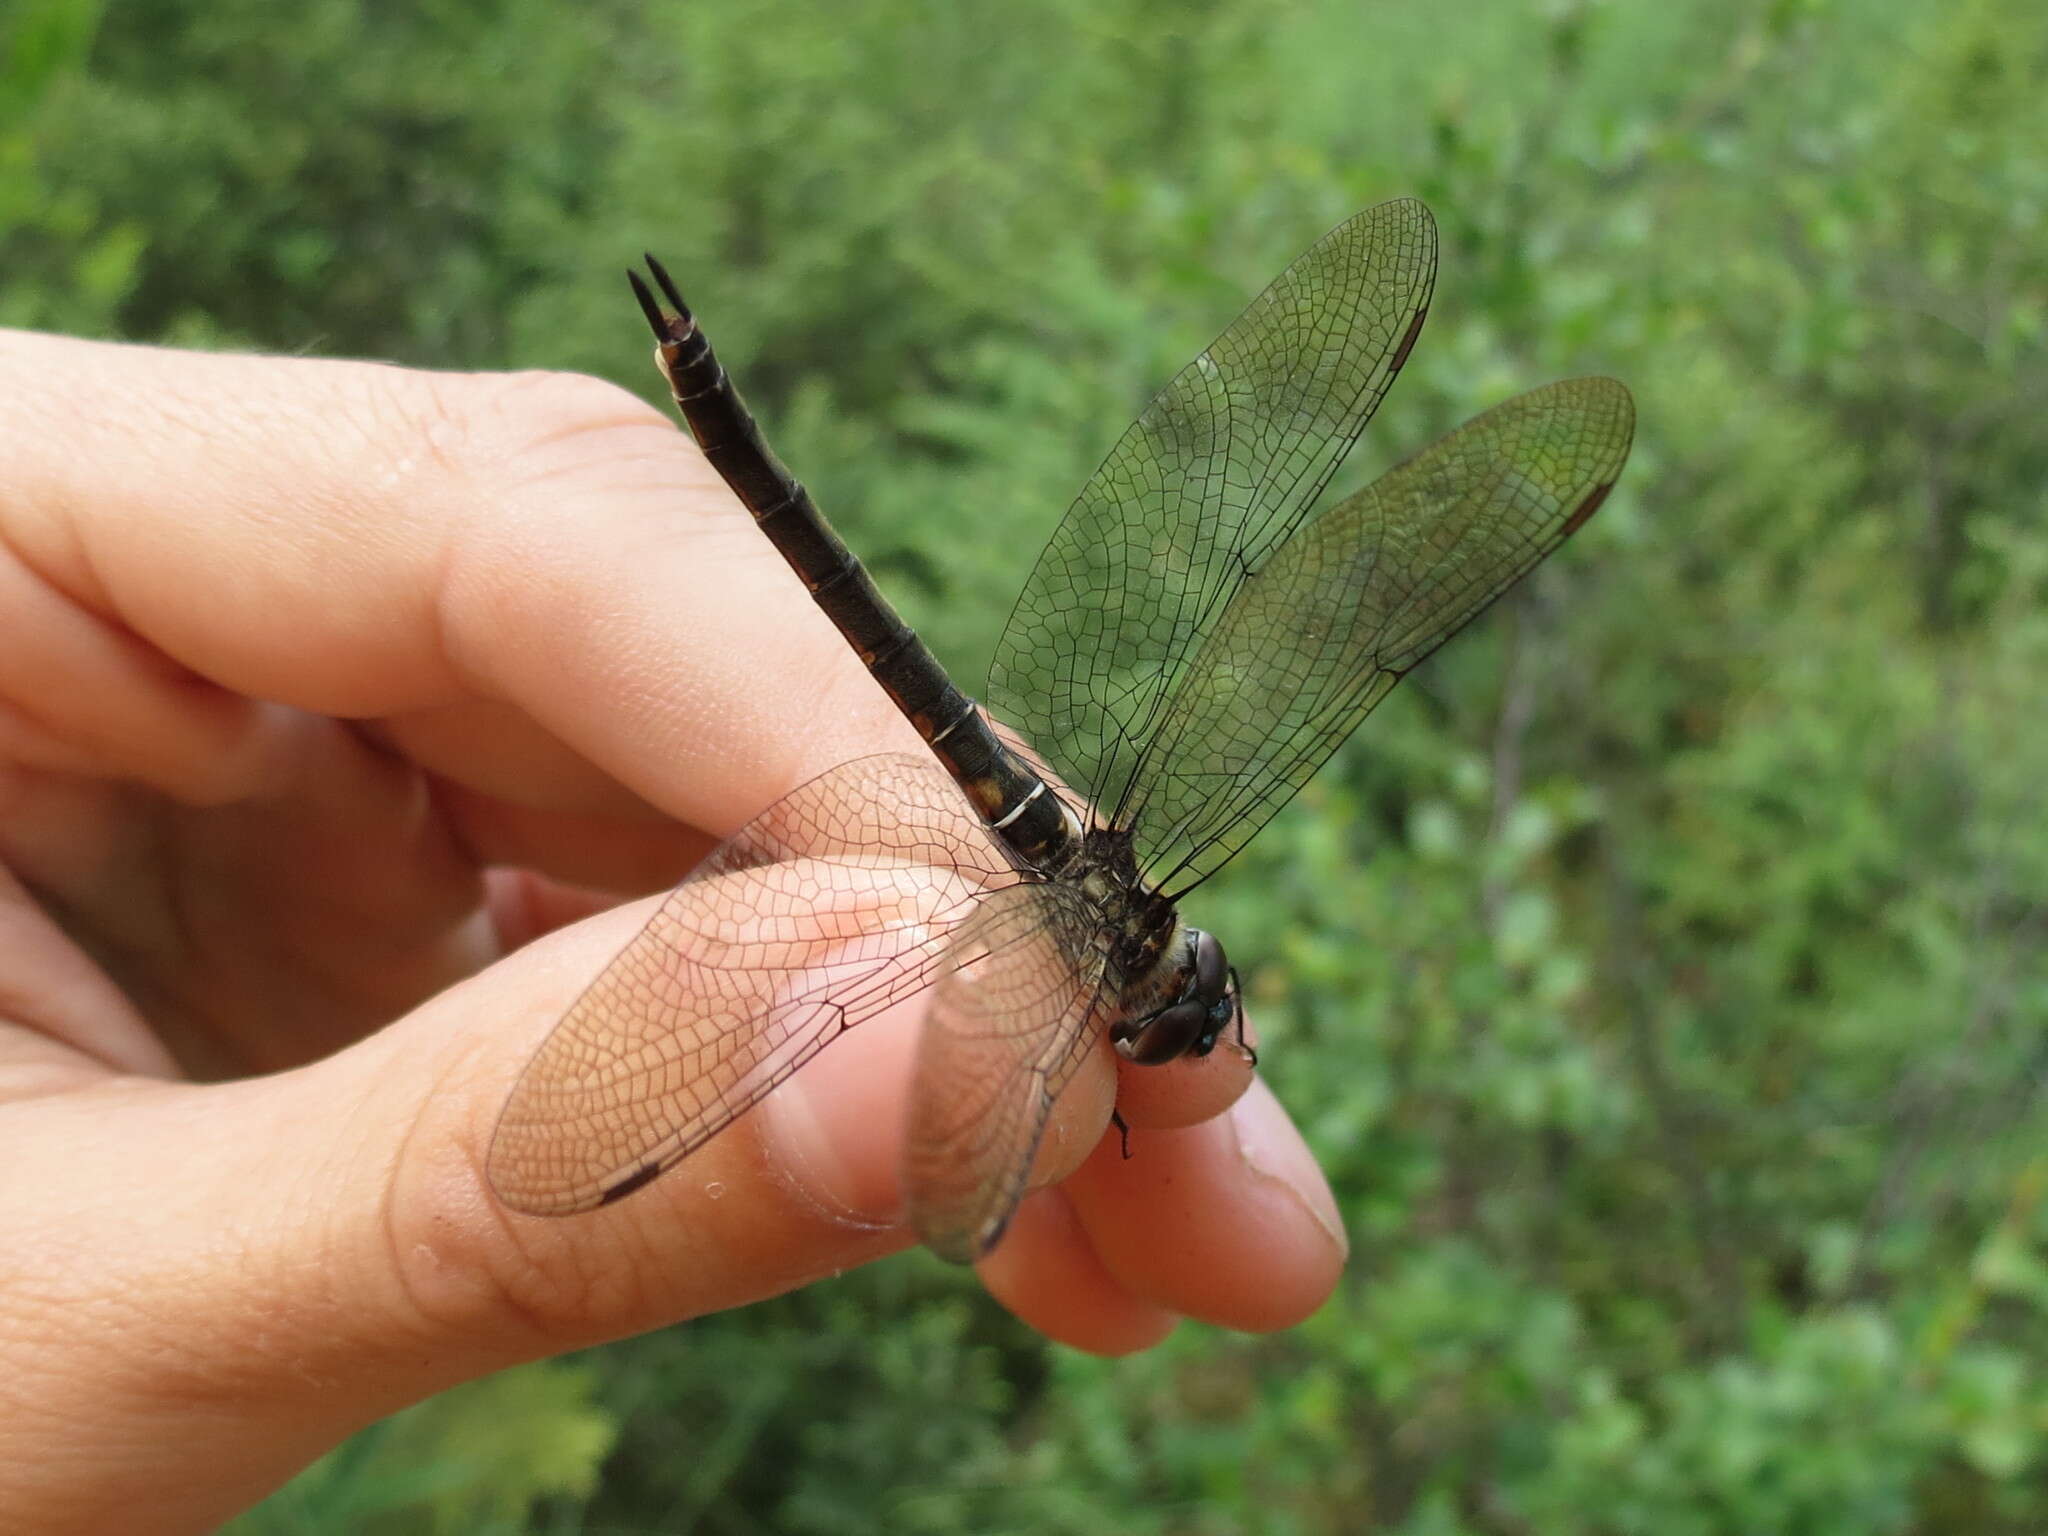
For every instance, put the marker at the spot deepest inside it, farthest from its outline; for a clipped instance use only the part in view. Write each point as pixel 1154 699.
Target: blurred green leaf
pixel 1661 975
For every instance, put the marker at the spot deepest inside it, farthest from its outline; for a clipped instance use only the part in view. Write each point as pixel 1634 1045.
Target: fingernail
pixel 1275 1154
pixel 834 1131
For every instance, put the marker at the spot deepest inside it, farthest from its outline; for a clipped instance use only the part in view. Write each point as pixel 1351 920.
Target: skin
pixel 339 706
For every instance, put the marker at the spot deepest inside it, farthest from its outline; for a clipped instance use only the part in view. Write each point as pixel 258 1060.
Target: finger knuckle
pixel 480 1271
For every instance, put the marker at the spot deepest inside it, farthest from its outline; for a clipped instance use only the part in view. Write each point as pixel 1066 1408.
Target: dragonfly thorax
pixel 1174 988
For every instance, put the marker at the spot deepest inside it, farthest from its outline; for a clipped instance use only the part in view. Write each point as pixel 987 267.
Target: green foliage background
pixel 1662 975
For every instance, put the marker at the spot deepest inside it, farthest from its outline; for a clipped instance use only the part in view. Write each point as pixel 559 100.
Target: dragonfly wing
pixel 1020 1004
pixel 1207 482
pixel 1341 613
pixel 830 906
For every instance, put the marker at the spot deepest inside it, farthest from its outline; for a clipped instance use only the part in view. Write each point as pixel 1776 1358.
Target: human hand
pixel 337 705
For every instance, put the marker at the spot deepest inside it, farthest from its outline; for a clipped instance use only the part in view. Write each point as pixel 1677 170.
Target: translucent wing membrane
pixel 1323 631
pixel 1020 1003
pixel 1214 476
pixel 834 903
pixel 1188 650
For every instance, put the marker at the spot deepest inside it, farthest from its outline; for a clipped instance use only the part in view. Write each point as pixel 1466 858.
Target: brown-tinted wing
pixel 1018 1007
pixel 1322 632
pixel 816 915
pixel 1215 474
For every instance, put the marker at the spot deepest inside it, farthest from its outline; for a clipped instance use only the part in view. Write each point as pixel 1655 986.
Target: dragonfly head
pixel 1193 1021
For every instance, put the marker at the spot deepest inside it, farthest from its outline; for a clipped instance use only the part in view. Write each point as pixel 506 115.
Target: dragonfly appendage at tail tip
pixel 667 328
pixel 668 288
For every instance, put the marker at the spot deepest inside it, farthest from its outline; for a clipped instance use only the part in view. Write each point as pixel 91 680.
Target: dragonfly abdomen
pixel 1014 800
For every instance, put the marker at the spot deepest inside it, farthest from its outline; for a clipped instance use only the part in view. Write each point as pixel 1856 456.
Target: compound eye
pixel 1168 1034
pixel 1212 970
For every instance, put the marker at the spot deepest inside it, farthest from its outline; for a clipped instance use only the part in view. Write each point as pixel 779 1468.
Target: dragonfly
pixel 1192 645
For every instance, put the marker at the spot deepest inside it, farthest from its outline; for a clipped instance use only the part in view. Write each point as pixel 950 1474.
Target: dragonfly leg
pixel 1123 1130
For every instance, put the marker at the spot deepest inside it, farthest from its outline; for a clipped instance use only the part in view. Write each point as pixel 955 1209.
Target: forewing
pixel 1325 630
pixel 1214 476
pixel 816 915
pixel 1018 1007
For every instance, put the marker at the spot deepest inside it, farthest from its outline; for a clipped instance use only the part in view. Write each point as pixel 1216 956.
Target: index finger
pixel 375 542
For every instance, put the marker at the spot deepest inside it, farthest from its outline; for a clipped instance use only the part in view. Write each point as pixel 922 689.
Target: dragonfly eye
pixel 1193 1021
pixel 1211 981
pixel 1169 1033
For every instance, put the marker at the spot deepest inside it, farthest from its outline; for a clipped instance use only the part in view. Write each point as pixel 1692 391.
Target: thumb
pixel 214 1284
